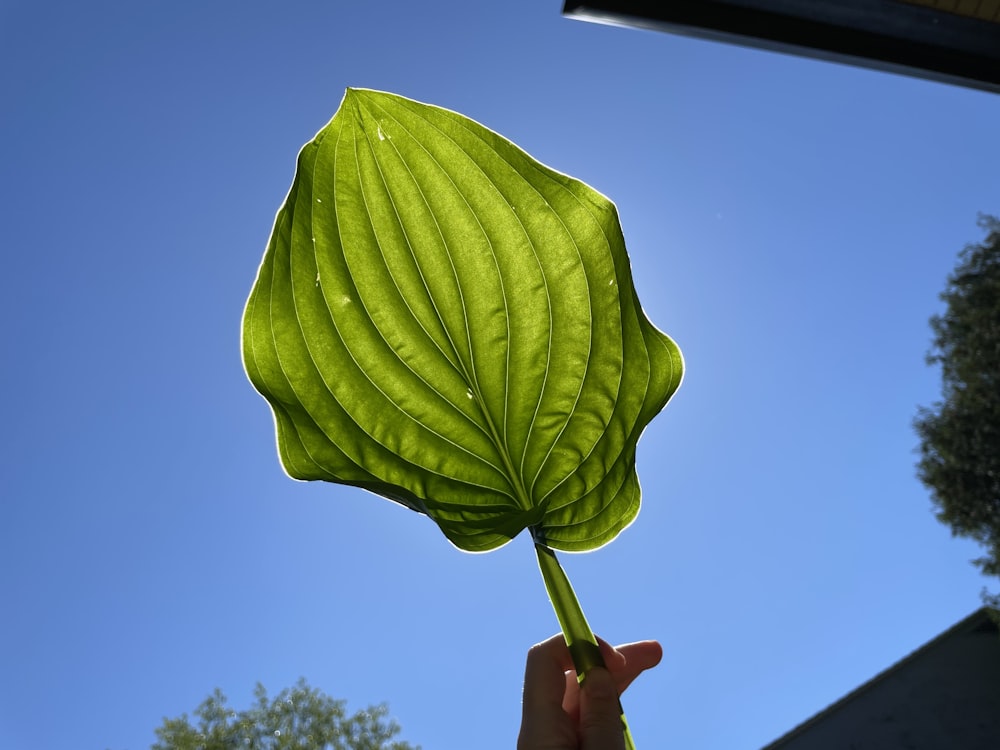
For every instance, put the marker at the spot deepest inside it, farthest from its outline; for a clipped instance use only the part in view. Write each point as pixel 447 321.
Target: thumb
pixel 600 713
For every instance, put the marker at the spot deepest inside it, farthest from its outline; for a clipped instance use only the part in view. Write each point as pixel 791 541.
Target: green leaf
pixel 443 320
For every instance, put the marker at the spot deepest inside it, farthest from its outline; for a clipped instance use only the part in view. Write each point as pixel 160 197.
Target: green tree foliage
pixel 960 435
pixel 300 717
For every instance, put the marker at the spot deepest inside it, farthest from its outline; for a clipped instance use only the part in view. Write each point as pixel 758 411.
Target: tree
pixel 960 435
pixel 297 717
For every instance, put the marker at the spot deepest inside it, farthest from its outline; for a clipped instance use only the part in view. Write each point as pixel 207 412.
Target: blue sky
pixel 790 224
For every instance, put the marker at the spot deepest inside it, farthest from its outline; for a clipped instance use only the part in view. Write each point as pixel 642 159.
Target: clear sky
pixel 790 224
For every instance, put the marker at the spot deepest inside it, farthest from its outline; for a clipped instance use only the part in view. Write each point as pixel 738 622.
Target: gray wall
pixel 945 696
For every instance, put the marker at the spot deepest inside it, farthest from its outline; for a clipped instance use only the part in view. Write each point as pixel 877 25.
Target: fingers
pixel 625 662
pixel 600 713
pixel 544 681
pixel 544 722
pixel 600 719
pixel 637 658
pixel 558 713
pixel 613 658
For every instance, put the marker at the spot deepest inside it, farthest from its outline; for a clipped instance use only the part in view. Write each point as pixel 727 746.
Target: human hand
pixel 560 714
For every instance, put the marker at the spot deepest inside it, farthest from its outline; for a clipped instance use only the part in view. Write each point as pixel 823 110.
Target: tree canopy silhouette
pixel 960 435
pixel 297 717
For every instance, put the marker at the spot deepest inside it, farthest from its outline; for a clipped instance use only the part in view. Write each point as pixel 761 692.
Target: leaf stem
pixel 579 637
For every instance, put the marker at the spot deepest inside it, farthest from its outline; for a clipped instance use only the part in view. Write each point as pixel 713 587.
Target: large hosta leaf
pixel 443 320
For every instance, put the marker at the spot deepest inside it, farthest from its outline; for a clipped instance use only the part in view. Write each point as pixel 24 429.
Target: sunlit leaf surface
pixel 444 321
